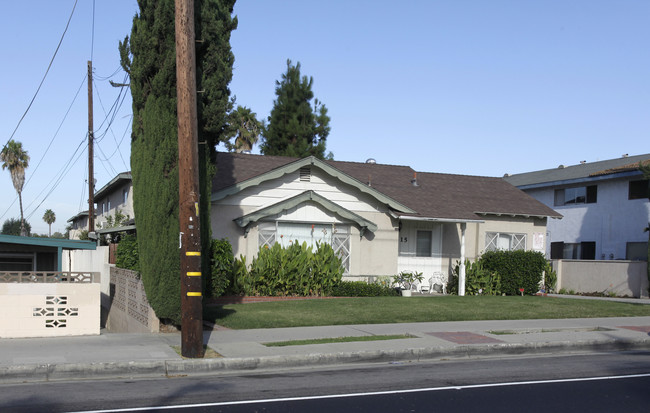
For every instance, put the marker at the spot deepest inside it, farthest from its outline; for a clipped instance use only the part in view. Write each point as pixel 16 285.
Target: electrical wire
pixel 48 146
pixel 56 180
pixel 57 130
pixel 44 76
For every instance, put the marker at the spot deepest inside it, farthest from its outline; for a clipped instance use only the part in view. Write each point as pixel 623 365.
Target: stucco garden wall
pixel 623 278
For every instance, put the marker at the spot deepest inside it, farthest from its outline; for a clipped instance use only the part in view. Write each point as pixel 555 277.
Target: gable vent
pixel 305 174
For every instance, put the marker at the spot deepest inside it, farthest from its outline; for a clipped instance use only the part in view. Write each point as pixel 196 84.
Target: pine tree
pixel 296 128
pixel 148 56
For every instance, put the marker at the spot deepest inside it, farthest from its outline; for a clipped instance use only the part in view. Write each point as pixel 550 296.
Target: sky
pixel 467 87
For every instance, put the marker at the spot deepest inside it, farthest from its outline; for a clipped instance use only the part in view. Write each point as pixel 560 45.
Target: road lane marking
pixel 378 393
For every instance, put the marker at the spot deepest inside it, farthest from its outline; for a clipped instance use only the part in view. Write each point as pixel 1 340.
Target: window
pixel 504 241
pixel 573 251
pixel 108 203
pixel 636 251
pixel 638 189
pixel 423 244
pixel 577 195
pixel 286 233
pixel 125 195
pixel 17 262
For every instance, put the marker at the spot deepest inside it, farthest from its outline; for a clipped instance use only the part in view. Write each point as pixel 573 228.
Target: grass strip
pixel 337 340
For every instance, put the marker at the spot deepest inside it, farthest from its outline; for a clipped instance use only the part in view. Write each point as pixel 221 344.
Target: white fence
pixel 622 278
pixel 48 304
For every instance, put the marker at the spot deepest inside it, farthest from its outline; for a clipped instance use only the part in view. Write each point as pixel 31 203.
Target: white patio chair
pixel 439 278
pixel 426 287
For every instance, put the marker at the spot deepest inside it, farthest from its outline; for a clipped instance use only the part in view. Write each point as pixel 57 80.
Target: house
pixel 36 254
pixel 380 219
pixel 113 200
pixel 77 224
pixel 604 204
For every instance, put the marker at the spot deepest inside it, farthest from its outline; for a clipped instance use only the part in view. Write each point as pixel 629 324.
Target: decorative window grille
pixel 287 233
pixel 341 247
pixel 503 241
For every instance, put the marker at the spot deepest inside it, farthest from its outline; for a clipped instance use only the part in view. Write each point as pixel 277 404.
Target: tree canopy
pixel 148 56
pixel 295 127
pixel 12 227
pixel 49 217
pixel 244 127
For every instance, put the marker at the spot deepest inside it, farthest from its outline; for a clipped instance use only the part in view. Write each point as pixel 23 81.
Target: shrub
pixel 295 270
pixel 363 289
pixel 518 269
pixel 221 267
pixel 550 278
pixel 478 280
pixel 126 254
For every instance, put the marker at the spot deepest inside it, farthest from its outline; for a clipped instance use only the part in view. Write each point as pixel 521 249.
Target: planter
pixel 406 293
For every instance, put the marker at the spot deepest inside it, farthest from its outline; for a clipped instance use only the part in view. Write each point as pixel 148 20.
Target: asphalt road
pixel 590 382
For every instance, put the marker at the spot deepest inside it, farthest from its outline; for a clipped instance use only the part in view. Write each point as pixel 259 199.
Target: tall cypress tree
pixel 296 128
pixel 148 56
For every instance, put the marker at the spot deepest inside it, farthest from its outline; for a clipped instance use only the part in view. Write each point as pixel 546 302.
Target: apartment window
pixel 577 195
pixel 423 244
pixel 108 203
pixel 638 189
pixel 504 241
pixel 636 251
pixel 573 251
pixel 125 195
pixel 103 208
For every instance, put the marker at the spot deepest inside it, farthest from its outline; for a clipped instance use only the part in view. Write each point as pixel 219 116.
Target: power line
pixel 56 180
pixel 57 130
pixel 44 76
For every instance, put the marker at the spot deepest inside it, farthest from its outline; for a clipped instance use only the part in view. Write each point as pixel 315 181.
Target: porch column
pixel 461 271
pixel 59 259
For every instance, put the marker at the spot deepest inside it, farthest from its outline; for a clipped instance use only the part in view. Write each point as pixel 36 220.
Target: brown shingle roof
pixel 441 196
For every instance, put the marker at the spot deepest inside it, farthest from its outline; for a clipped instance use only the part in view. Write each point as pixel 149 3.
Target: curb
pixel 187 367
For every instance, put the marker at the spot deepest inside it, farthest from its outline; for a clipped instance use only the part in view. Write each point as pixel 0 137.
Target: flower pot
pixel 406 293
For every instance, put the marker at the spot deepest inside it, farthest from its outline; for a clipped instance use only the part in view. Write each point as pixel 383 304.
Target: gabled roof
pixel 115 182
pixel 307 196
pixel 436 196
pixel 234 175
pixel 575 173
pixel 81 214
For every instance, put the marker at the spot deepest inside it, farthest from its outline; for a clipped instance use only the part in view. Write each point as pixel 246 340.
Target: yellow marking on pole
pixel 194 274
pixel 192 294
pixel 193 253
pixel 196 205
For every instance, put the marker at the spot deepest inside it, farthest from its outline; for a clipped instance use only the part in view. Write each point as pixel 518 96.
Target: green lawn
pixel 379 310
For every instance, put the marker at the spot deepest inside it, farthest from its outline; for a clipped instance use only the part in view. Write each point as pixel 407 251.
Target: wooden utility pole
pixel 91 172
pixel 188 182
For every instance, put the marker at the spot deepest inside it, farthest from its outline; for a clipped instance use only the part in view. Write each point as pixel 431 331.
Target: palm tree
pixel 244 127
pixel 49 217
pixel 16 160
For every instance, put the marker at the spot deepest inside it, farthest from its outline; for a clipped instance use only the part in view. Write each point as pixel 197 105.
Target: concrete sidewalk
pixel 111 355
